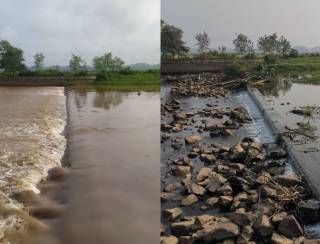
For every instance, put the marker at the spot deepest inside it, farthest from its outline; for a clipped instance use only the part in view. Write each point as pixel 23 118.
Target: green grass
pixel 133 78
pixel 302 69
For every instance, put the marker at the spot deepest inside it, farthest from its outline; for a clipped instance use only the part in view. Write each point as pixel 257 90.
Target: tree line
pixel 12 62
pixel 172 43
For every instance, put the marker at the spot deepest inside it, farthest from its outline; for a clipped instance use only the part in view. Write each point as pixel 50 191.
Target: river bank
pixel 211 194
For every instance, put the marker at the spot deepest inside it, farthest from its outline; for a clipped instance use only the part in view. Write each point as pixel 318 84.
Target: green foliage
pixel 171 41
pixel 236 70
pixel 293 53
pixel 203 42
pixel 151 77
pixel 77 64
pixel 268 43
pixel 244 45
pixel 107 63
pixel 39 61
pixel 11 59
pixel 270 59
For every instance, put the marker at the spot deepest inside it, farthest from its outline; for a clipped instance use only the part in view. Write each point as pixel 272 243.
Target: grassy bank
pixel 132 78
pixel 302 69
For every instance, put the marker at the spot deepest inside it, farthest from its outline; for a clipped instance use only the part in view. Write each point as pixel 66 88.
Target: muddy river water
pixel 111 191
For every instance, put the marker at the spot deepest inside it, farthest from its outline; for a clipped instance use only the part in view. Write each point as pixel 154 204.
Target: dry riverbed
pixel 220 185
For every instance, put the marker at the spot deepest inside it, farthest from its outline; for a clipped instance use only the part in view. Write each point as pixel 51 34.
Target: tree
pixel 77 64
pixel 171 40
pixel 11 58
pixel 243 44
pixel 39 60
pixel 203 42
pixel 284 46
pixel 268 43
pixel 222 49
pixel 107 63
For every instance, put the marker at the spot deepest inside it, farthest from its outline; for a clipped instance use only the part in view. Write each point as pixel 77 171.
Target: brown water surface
pixel 111 194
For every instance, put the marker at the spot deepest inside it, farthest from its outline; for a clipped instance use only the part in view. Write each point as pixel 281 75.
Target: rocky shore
pixel 226 193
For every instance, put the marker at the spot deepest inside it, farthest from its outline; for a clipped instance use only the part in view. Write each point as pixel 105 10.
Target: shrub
pixel 236 70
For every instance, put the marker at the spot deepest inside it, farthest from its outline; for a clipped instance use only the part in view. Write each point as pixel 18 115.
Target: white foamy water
pixel 32 121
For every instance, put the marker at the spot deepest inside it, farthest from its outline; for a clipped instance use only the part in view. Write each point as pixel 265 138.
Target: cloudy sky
pixel 298 20
pixel 128 28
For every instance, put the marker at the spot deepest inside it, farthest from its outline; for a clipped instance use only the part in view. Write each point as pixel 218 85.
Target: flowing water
pixel 32 122
pixel 111 193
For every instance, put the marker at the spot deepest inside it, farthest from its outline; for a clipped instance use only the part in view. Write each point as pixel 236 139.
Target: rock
pixel 204 220
pixel 263 226
pixel 224 190
pixel 183 228
pixel 239 218
pixel 56 173
pixel 189 200
pixel 198 190
pixel 227 132
pixel 185 240
pixel 208 158
pixel 237 153
pixel 182 170
pixel 214 182
pixel 280 239
pixel 308 211
pixel 172 187
pixel 278 217
pixel 220 231
pixel 287 180
pixel 180 116
pixel 290 227
pixel 169 196
pixel 203 174
pixel 193 139
pixel 169 240
pixel 225 201
pixel 212 201
pixel 267 191
pixel 277 153
pixel 256 145
pixel 245 235
pixel 171 214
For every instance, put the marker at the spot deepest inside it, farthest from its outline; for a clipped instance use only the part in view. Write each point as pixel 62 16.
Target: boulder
pixel 278 217
pixel 172 187
pixel 237 153
pixel 204 220
pixel 169 240
pixel 183 228
pixel 193 139
pixel 290 227
pixel 212 201
pixel 182 170
pixel 220 231
pixel 189 200
pixel 171 214
pixel 287 180
pixel 280 239
pixel 263 226
pixel 198 190
pixel 225 201
pixel 208 158
pixel 245 235
pixel 267 191
pixel 277 153
pixel 239 218
pixel 203 174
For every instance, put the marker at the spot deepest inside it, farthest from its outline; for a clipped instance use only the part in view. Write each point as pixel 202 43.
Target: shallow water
pixel 111 194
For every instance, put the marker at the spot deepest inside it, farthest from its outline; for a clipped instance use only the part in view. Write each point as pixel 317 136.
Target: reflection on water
pixel 277 87
pixel 112 192
pixel 285 98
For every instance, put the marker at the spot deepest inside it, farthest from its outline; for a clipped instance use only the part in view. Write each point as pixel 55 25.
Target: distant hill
pixel 304 49
pixel 144 66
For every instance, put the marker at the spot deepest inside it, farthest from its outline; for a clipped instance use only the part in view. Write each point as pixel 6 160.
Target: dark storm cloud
pixel 296 19
pixel 128 28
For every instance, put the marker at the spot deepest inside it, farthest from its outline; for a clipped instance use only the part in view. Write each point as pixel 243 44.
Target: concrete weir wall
pixel 304 161
pixel 45 81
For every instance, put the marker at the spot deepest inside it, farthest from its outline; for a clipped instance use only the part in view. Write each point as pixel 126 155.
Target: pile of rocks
pixel 256 201
pixel 200 85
